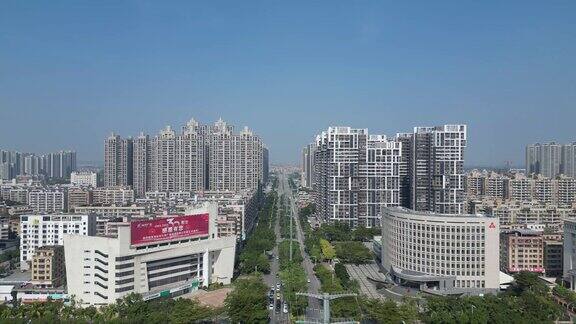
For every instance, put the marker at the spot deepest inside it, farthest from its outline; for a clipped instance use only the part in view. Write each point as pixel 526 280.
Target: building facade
pixel 41 230
pixel 446 253
pixel 84 179
pixel 200 157
pixel 48 269
pixel 47 200
pixel 355 176
pixel 522 250
pixel 434 168
pixel 167 266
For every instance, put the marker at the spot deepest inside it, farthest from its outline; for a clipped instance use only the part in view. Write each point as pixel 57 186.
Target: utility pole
pixel 326 298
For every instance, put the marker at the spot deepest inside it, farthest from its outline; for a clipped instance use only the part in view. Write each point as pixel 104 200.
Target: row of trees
pixel 253 257
pixel 248 302
pixel 293 276
pixel 130 309
pixel 284 213
pixel 353 252
pixel 528 300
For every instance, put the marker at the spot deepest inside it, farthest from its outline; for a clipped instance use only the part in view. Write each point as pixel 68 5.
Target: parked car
pixel 285 308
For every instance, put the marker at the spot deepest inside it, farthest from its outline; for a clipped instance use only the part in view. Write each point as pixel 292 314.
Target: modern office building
pixel 160 257
pixel 356 175
pixel 43 229
pixel 444 253
pixel 84 179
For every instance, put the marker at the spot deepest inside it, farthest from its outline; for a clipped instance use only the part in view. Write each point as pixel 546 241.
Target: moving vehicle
pixel 278 305
pixel 278 285
pixel 285 308
pixel 271 306
pixel 308 280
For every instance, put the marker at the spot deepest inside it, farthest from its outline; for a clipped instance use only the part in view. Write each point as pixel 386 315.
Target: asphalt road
pixel 314 308
pixel 271 280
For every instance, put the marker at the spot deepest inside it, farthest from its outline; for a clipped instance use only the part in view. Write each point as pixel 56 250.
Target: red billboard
pixel 168 228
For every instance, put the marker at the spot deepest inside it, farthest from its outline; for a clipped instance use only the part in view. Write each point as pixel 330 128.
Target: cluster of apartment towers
pixel 200 157
pixel 355 175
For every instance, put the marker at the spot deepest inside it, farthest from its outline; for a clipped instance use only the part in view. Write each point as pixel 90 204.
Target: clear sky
pixel 73 71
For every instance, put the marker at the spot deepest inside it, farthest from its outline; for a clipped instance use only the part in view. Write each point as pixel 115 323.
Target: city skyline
pixel 287 71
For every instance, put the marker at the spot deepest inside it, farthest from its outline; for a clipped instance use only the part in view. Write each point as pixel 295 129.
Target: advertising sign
pixel 168 228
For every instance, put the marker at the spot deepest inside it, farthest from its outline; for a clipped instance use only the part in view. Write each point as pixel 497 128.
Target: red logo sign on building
pixel 492 225
pixel 168 228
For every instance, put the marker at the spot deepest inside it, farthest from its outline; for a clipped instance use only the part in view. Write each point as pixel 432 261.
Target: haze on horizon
pixel 72 72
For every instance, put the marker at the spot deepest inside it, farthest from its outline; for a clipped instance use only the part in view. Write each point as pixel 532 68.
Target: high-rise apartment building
pixel 200 157
pixel 118 161
pixel 551 159
pixel 308 165
pixel 355 175
pixel 141 164
pixel 433 168
pixel 177 160
pixel 52 165
pixel 568 165
pixel 235 161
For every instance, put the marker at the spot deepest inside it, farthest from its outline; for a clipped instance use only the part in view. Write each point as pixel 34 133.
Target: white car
pixel 308 280
pixel 271 306
pixel 285 308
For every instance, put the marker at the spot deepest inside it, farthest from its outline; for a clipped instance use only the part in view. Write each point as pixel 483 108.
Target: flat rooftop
pixel 433 214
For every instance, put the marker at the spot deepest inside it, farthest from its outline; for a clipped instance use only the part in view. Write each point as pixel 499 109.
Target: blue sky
pixel 73 71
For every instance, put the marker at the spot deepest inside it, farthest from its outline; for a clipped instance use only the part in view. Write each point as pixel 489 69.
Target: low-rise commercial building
pixel 521 250
pixel 165 256
pixel 441 253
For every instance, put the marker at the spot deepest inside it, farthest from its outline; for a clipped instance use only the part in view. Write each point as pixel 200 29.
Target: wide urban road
pixel 276 315
pixel 314 307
